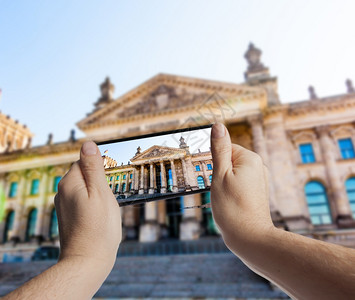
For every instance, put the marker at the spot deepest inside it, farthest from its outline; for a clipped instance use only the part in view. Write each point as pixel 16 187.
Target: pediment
pixel 167 94
pixel 155 152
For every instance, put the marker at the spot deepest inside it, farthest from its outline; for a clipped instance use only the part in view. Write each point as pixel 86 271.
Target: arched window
pixel 210 178
pixel 350 190
pixel 317 203
pixel 123 187
pixel 53 226
pixel 117 186
pixel 130 186
pixel 10 218
pixel 31 224
pixel 200 182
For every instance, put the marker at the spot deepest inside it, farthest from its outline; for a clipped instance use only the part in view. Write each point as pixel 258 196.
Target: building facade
pixel 308 147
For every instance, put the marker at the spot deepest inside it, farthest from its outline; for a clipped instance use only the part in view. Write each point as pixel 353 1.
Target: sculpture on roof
pixel 107 90
pixel 252 56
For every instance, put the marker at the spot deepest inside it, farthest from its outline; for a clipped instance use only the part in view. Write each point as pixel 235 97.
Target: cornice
pixel 39 151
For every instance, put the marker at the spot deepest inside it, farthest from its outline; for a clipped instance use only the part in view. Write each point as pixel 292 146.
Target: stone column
pixel 41 210
pixel 17 235
pixel 190 227
pixel 185 174
pixel 151 174
pixel 191 173
pixel 163 177
pixel 126 182
pixel 150 230
pixel 136 183
pixel 336 189
pixel 141 187
pixel 133 180
pixel 173 172
pixel 120 183
pixel 288 192
pixel 128 220
pixel 259 146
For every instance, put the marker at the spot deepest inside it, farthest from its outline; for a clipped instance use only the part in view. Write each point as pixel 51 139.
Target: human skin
pixel 304 268
pixel 90 233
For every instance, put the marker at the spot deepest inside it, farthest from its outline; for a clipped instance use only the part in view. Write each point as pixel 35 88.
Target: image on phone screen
pixel 158 166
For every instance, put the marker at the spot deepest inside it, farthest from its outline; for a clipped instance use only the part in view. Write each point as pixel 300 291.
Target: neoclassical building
pixel 308 147
pixel 164 172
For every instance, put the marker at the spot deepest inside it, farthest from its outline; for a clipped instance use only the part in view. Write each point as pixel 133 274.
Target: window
pixel 31 224
pixel 346 148
pixel 130 186
pixel 170 180
pixel 317 203
pixel 117 177
pixel 209 166
pixel 13 189
pixel 55 183
pixel 200 182
pixel 307 154
pixel 130 176
pixel 117 188
pixel 110 185
pixel 10 218
pixel 35 187
pixel 53 227
pixel 197 167
pixel 210 178
pixel 123 187
pixel 124 176
pixel 111 178
pixel 350 191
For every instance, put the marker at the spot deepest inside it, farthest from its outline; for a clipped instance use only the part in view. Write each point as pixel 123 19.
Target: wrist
pixel 243 242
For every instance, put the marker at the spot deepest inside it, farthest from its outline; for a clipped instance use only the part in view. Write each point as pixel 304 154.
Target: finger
pixel 92 166
pixel 221 148
pixel 73 179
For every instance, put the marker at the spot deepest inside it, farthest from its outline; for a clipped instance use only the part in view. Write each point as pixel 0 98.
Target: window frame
pixel 307 157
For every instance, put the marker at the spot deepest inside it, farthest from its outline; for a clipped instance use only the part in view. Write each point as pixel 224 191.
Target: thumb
pixel 221 148
pixel 92 166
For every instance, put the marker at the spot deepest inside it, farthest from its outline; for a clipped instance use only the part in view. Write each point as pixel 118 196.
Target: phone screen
pixel 158 166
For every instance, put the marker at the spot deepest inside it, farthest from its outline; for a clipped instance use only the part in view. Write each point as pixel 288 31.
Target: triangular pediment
pixel 167 94
pixel 155 152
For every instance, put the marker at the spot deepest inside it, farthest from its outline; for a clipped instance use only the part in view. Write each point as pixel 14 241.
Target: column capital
pixel 255 119
pixel 322 130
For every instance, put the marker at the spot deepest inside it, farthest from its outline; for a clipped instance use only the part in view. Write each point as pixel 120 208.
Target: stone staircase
pixel 172 276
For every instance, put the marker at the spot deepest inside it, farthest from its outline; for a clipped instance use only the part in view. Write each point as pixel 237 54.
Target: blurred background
pixel 277 73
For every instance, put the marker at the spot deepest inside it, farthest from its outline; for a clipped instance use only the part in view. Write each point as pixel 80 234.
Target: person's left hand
pixel 89 216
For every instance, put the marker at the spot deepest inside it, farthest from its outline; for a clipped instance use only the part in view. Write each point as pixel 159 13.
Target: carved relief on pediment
pixel 163 98
pixel 157 153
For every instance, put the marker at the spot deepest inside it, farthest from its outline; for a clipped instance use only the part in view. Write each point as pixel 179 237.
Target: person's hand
pixel 239 191
pixel 88 214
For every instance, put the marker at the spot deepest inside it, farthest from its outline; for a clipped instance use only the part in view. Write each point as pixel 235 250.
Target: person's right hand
pixel 239 191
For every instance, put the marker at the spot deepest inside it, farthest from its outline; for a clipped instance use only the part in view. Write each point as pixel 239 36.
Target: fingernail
pixel 89 148
pixel 218 130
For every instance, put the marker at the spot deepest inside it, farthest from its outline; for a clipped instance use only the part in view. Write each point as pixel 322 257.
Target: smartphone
pixel 158 166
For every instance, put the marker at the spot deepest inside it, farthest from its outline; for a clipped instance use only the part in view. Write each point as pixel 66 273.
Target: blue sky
pixel 54 54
